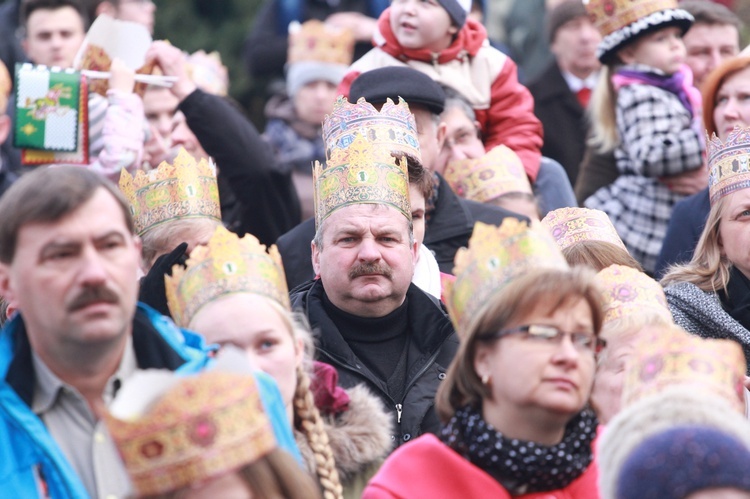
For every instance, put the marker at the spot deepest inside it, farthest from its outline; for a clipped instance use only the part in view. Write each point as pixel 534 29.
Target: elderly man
pixel 68 262
pixel 373 325
pixel 561 93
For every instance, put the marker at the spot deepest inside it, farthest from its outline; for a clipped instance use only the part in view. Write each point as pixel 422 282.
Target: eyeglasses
pixel 462 137
pixel 583 342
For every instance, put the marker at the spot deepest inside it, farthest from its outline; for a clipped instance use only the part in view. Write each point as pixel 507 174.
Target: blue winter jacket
pixel 31 463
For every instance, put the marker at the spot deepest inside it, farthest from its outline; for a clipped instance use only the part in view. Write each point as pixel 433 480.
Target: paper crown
pixel 184 189
pixel 359 166
pixel 728 163
pixel 318 42
pixel 620 21
pixel 627 291
pixel 498 172
pixel 208 73
pixel 203 427
pixel 572 225
pixel 495 257
pixel 668 357
pixel 227 264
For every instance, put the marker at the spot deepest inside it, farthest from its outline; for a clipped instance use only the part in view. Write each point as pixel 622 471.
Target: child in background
pixel 646 110
pixel 436 38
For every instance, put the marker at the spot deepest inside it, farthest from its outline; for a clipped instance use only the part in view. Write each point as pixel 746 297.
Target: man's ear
pixel 6 289
pixel 315 258
pixel 442 131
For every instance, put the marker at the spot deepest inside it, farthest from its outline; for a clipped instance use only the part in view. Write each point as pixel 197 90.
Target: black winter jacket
pixel 432 346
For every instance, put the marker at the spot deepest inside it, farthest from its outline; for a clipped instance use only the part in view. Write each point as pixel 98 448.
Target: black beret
pixel 392 82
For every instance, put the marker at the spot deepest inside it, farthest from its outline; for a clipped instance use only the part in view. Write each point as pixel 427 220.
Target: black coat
pixel 432 346
pixel 563 119
pixel 449 228
pixel 268 205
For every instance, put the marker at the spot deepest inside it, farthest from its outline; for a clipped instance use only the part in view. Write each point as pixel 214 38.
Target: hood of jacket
pixel 468 41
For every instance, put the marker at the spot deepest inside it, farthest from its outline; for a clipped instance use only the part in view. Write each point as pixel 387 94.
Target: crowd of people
pixel 431 275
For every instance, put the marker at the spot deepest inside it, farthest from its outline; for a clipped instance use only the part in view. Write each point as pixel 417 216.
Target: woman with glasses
pixel 514 400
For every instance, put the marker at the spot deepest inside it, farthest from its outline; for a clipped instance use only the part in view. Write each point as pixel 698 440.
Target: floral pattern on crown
pixel 569 226
pixel 184 189
pixel 627 291
pixel 483 179
pixel 728 163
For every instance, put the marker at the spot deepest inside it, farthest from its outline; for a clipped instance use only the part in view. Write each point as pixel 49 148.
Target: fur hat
pixel 679 461
pixel 457 10
pixel 415 87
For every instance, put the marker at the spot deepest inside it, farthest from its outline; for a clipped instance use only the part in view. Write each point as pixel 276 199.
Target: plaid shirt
pixel 659 138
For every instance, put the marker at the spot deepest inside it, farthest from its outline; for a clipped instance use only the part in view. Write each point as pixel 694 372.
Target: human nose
pixel 714 60
pixel 730 110
pixel 368 251
pixel 566 353
pixel 93 270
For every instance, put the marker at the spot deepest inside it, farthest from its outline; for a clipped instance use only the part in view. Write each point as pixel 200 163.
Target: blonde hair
pixel 601 113
pixel 708 269
pixel 628 327
pixel 543 288
pixel 164 238
pixel 599 255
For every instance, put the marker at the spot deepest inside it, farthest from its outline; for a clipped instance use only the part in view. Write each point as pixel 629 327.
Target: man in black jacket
pixel 450 219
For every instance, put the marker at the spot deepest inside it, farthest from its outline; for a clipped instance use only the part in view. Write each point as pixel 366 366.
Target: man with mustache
pixel 68 264
pixel 373 325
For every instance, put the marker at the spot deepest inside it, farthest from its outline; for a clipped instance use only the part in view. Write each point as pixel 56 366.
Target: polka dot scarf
pixel 522 467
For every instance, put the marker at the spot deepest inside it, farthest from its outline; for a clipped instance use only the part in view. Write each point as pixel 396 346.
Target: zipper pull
pixel 398 413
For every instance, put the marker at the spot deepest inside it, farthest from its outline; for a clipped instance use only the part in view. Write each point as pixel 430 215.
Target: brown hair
pixel 713 83
pixel 47 195
pixel 712 13
pixel 599 255
pixel 544 288
pixel 28 7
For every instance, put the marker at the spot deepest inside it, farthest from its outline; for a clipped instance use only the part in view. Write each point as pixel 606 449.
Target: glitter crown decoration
pixel 483 179
pixel 203 427
pixel 227 264
pixel 319 42
pixel 360 167
pixel 728 163
pixel 668 357
pixel 620 21
pixel 627 291
pixel 572 225
pixel 495 257
pixel 183 189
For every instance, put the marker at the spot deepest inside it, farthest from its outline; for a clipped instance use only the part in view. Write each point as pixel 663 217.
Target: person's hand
pixel 121 78
pixel 172 62
pixel 360 25
pixel 687 183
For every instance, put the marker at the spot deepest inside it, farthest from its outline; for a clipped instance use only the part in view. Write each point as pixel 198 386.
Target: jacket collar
pixel 468 41
pixel 449 218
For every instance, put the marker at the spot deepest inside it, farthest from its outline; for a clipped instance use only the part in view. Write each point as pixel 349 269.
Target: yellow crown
pixel 665 357
pixel 391 129
pixel 184 189
pixel 203 427
pixel 359 165
pixel 572 225
pixel 318 42
pixel 728 163
pixel 227 264
pixel 620 21
pixel 627 291
pixel 208 73
pixel 495 257
pixel 498 172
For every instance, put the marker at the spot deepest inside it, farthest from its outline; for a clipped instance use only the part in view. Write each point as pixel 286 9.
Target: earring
pixel 485 378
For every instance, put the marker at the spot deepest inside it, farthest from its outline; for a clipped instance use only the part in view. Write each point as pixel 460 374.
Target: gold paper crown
pixel 208 73
pixel 359 165
pixel 483 179
pixel 184 189
pixel 620 21
pixel 205 426
pixel 728 163
pixel 627 291
pixel 494 258
pixel 318 42
pixel 391 129
pixel 668 356
pixel 227 264
pixel 572 225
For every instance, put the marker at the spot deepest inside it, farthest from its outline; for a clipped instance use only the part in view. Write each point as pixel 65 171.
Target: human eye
pixel 721 99
pixel 583 341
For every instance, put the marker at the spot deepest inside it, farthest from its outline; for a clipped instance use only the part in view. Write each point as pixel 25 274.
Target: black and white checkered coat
pixel 658 137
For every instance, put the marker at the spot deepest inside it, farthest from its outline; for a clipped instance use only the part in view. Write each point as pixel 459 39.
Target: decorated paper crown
pixel 728 163
pixel 208 73
pixel 495 257
pixel 621 21
pixel 572 225
pixel 627 291
pixel 668 357
pixel 203 427
pixel 498 172
pixel 359 166
pixel 319 42
pixel 184 189
pixel 227 264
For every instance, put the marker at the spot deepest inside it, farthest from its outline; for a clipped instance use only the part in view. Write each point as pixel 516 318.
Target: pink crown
pixel 572 225
pixel 728 163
